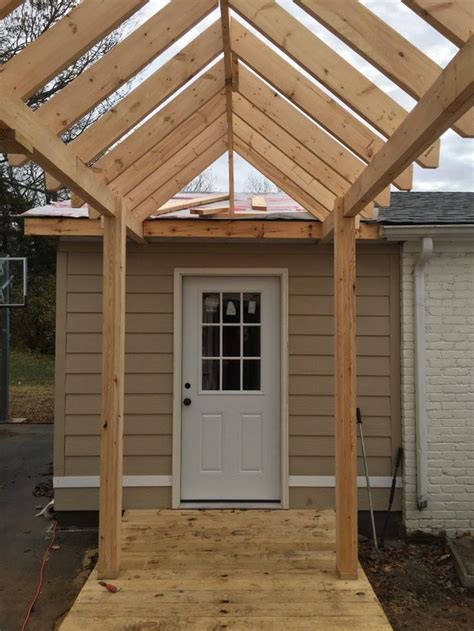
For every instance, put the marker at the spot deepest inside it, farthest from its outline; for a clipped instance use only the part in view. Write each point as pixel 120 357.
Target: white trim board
pixel 93 481
pixel 131 481
pixel 329 481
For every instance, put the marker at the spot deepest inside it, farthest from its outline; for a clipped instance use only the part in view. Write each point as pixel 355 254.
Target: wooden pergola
pixel 334 160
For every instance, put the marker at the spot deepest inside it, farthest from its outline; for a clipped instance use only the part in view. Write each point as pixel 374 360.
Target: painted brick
pixel 449 299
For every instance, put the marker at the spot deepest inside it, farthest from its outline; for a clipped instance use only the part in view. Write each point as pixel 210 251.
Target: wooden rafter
pixel 7 6
pixel 389 52
pixel 162 124
pixel 270 171
pixel 148 95
pixel 225 24
pixel 326 66
pixel 54 156
pixel 315 103
pixel 64 42
pixel 151 163
pixel 273 229
pixel 139 196
pixel 453 19
pixel 181 175
pixel 296 151
pixel 292 171
pixel 445 102
pixel 269 103
pixel 119 65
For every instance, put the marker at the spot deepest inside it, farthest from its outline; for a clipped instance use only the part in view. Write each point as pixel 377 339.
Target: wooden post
pixel 113 354
pixel 345 356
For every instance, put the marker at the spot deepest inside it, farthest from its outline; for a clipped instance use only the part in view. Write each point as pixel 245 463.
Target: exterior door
pixel 231 416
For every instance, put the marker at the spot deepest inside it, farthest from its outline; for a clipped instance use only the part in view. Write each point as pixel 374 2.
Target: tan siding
pixel 149 360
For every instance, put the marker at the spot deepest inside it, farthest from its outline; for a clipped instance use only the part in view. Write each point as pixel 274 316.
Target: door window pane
pixel 251 341
pixel 231 374
pixel 210 374
pixel 231 341
pixel 231 308
pixel 252 308
pixel 210 341
pixel 251 374
pixel 211 308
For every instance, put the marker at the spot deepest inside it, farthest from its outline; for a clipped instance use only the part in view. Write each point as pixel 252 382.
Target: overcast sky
pixel 456 170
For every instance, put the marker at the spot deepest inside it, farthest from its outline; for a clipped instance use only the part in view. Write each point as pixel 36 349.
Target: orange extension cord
pixel 41 576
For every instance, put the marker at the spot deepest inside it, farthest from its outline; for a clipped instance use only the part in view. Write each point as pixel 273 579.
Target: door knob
pixel 187 401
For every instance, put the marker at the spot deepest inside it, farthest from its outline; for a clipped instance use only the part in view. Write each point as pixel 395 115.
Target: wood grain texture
pixel 245 570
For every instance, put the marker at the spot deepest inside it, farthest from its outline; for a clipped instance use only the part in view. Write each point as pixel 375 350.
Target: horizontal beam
pixel 449 97
pixel 64 42
pixel 195 228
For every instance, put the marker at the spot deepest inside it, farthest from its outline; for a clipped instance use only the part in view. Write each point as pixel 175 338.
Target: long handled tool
pixel 367 479
pixel 392 493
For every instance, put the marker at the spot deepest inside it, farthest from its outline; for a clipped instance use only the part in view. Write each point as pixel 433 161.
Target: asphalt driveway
pixel 25 461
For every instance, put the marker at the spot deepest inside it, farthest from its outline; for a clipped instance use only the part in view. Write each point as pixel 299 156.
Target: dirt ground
pixel 418 587
pixel 35 403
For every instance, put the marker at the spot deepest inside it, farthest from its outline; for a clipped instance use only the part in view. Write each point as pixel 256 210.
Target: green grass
pixel 27 369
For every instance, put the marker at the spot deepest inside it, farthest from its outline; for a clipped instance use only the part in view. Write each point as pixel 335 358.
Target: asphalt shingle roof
pixel 428 208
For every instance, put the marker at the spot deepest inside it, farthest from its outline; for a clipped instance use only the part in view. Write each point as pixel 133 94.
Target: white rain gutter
pixel 421 422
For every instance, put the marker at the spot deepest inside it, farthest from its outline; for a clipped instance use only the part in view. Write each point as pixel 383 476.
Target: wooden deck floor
pixel 232 570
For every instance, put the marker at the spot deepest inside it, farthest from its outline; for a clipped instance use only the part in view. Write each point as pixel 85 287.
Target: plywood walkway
pixel 232 570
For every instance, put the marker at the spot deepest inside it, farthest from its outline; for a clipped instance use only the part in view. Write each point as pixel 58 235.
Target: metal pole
pixel 367 479
pixel 5 346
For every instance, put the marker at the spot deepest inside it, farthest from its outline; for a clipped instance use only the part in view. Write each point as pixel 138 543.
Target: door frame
pixel 179 275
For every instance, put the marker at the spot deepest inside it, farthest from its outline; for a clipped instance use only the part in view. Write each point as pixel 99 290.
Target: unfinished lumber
pixel 120 64
pixel 315 103
pixel 259 202
pixel 225 24
pixel 326 66
pixel 161 124
pixel 64 42
pixel 149 94
pixel 454 19
pixel 389 52
pixel 449 97
pixel 212 211
pixel 181 204
pixel 345 380
pixel 112 400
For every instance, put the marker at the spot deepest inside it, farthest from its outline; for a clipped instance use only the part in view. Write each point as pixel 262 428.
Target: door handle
pixel 187 402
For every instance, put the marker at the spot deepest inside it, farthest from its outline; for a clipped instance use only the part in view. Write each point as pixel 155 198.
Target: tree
pixel 23 188
pixel 259 184
pixel 203 183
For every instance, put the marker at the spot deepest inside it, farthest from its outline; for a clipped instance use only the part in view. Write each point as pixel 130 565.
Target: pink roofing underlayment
pixel 279 205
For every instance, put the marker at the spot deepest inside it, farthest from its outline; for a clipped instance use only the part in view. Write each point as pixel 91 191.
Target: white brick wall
pixel 449 296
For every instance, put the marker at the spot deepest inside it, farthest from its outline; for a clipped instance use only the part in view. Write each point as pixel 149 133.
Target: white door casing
pixel 231 378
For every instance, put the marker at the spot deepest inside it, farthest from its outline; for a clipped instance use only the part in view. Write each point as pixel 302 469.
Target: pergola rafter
pixel 318 151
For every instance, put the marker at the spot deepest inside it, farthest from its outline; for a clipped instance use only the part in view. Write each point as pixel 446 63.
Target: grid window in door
pixel 231 342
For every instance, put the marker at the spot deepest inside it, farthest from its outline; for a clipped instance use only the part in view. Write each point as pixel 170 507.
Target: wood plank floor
pixel 228 570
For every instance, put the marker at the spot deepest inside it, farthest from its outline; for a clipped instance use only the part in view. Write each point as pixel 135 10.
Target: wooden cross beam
pixel 7 6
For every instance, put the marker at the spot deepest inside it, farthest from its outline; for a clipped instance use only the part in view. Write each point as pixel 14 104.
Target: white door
pixel 231 361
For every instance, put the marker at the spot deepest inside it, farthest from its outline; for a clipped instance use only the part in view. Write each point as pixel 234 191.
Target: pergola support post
pixel 345 371
pixel 112 409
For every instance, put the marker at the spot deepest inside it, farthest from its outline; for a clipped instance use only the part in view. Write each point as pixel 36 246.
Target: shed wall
pixel 149 363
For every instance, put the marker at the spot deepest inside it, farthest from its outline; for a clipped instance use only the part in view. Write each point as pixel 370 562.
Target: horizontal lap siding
pixel 149 359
